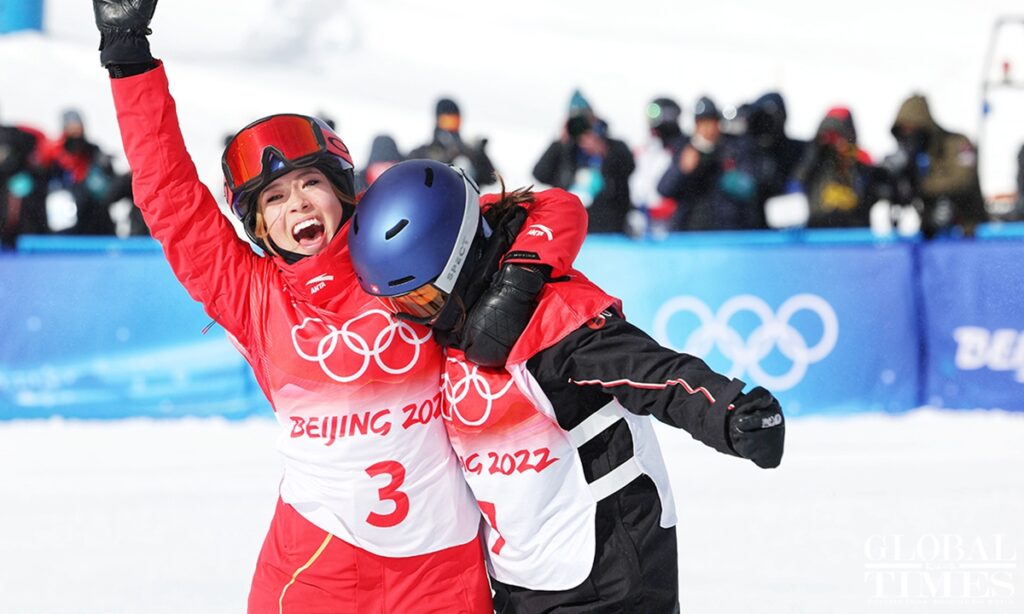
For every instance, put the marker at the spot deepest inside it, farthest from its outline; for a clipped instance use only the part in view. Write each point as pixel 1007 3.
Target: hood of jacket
pixel 914 114
pixel 840 121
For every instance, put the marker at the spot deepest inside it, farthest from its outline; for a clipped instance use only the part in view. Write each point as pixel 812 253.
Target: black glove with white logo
pixel 756 428
pixel 123 26
pixel 500 316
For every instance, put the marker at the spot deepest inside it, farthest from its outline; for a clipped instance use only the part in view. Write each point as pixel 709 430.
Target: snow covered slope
pixel 162 517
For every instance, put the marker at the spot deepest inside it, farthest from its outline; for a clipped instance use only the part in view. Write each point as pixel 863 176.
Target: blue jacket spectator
pixel 707 178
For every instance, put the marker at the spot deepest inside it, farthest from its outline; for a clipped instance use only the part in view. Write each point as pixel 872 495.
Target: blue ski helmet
pixel 411 234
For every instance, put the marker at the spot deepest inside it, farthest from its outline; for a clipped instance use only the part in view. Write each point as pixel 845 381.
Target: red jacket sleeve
pixel 216 267
pixel 555 227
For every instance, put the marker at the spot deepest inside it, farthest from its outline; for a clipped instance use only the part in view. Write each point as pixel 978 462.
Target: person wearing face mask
pixel 708 176
pixel 448 145
pixel 557 442
pixel 933 170
pixel 837 175
pixel 653 213
pixel 770 156
pixel 77 165
pixel 374 514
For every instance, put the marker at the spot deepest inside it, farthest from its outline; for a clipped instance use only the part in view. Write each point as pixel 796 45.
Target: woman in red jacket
pixel 374 514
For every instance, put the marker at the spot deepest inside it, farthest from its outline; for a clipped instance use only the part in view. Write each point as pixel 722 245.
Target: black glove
pixel 123 26
pixel 756 428
pixel 501 314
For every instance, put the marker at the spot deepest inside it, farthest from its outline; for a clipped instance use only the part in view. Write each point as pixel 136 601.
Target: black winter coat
pixel 558 167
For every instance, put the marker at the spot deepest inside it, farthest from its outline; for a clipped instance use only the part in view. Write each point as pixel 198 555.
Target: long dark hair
pixel 516 197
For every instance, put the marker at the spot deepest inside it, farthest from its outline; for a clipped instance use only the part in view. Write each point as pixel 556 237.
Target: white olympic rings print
pixel 775 330
pixel 355 344
pixel 454 393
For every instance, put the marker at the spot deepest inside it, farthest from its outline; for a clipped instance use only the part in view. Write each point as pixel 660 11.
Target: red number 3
pixel 389 492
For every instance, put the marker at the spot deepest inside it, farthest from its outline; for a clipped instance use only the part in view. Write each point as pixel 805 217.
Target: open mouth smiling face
pixel 309 233
pixel 302 211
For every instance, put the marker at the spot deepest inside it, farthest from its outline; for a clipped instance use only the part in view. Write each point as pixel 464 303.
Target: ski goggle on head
pixel 274 144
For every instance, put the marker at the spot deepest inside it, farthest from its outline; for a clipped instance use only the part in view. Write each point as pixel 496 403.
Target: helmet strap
pixel 287 256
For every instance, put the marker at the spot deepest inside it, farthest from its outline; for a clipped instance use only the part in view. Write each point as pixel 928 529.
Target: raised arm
pixel 215 266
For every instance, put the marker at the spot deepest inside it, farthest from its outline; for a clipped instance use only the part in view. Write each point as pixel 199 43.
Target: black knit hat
pixel 706 109
pixel 663 110
pixel 447 106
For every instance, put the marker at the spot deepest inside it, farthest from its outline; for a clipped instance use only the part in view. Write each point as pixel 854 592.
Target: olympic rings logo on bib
pixel 775 331
pixel 472 413
pixel 395 347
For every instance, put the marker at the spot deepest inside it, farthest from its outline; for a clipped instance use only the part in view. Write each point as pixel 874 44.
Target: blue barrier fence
pixel 828 328
pixel 108 332
pixel 831 321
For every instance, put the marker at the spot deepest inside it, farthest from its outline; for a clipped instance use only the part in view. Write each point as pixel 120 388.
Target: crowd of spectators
pixel 723 176
pixel 720 177
pixel 725 173
pixel 33 166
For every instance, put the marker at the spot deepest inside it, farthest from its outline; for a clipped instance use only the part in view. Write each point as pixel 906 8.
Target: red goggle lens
pixel 291 136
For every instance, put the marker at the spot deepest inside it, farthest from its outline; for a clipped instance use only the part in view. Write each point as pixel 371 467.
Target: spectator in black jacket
pixel 77 165
pixel 774 156
pixel 837 175
pixel 449 147
pixel 591 165
pixel 22 185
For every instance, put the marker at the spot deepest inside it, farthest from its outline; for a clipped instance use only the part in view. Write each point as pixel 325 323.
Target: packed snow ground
pixel 158 517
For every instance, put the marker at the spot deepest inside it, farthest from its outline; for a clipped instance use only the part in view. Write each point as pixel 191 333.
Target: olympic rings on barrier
pixel 358 346
pixel 455 393
pixel 774 331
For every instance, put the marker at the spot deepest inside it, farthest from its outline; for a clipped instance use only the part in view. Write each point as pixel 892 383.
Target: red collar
pixel 319 278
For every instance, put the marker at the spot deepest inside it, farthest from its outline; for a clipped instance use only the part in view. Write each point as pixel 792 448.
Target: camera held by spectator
pixel 586 161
